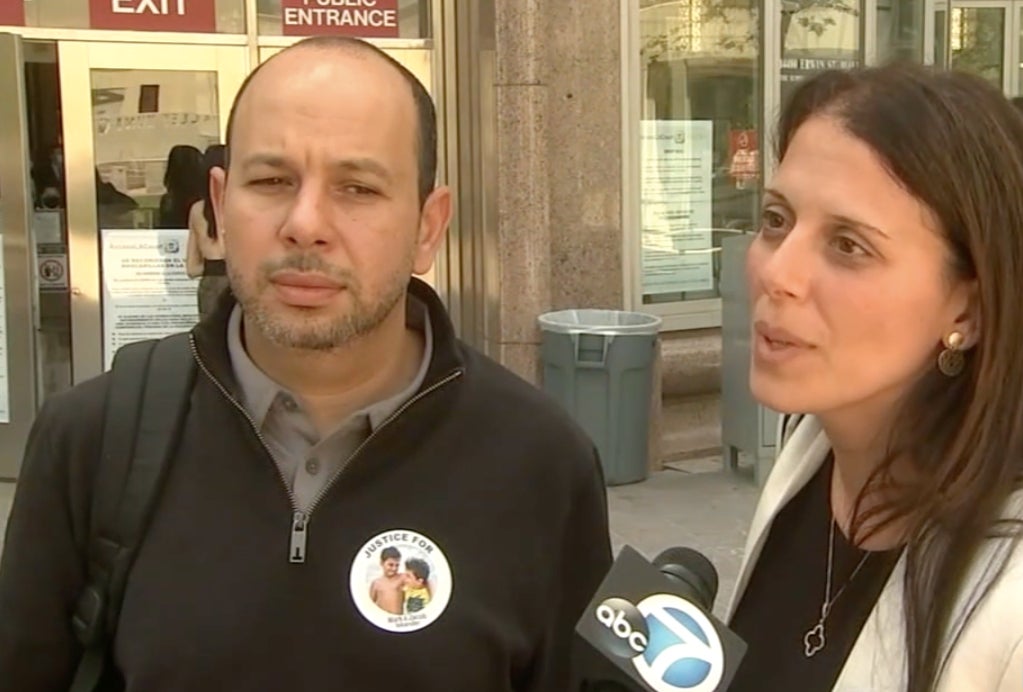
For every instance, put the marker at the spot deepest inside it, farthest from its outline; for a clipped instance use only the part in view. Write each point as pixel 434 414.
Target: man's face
pixel 390 567
pixel 320 207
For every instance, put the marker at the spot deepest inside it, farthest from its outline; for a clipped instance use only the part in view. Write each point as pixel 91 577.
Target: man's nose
pixel 308 222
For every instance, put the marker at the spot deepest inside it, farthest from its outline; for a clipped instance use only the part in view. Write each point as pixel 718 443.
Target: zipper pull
pixel 296 550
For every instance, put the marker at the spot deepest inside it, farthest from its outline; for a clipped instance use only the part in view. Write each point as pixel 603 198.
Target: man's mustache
pixel 309 262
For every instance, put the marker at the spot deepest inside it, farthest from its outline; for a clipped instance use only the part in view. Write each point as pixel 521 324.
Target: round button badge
pixel 401 581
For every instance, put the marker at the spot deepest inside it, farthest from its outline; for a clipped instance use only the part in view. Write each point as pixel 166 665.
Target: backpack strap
pixel 151 383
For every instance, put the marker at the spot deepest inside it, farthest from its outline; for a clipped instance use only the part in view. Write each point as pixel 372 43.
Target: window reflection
pixel 900 30
pixel 978 42
pixel 49 219
pixel 152 158
pixel 700 140
pixel 818 35
pixel 151 127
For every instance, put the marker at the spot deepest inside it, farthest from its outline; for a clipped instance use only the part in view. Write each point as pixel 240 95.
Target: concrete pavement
pixel 693 504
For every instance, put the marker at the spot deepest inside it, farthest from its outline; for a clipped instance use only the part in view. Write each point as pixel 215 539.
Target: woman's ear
pixel 967 321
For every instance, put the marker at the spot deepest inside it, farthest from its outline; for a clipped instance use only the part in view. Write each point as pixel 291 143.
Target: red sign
pixel 12 13
pixel 153 15
pixel 362 18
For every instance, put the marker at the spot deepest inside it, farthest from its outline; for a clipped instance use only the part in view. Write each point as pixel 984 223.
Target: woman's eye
pixel 848 246
pixel 771 221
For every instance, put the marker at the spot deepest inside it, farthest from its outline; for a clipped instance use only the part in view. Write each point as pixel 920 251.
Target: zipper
pixel 300 518
pixel 451 377
pixel 296 552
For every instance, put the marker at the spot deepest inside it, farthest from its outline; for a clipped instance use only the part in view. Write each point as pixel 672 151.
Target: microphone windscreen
pixel 693 569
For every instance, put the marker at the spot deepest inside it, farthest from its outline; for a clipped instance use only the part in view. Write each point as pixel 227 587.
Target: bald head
pixel 329 207
pixel 425 135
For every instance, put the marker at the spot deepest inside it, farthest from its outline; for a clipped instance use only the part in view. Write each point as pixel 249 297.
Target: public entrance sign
pixel 361 18
pixel 12 13
pixel 153 15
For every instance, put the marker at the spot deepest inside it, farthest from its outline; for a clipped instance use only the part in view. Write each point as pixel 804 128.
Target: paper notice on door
pixel 676 203
pixel 146 291
pixel 46 226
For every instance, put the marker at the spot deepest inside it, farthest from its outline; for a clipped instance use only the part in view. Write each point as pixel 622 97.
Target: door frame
pixel 17 338
pixel 932 8
pixel 1016 43
pixel 76 61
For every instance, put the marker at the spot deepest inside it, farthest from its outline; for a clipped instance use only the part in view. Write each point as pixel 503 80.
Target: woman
pixel 205 255
pixel 184 184
pixel 884 553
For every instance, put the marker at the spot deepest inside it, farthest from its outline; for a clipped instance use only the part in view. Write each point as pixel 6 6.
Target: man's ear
pixel 218 187
pixel 433 227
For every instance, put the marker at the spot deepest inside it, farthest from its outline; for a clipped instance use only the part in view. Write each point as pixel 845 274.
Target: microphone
pixel 649 628
pixel 692 571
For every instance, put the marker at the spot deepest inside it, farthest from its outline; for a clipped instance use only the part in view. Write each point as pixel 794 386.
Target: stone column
pixel 583 54
pixel 523 185
pixel 558 95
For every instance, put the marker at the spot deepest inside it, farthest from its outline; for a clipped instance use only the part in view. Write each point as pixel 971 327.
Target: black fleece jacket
pixel 505 489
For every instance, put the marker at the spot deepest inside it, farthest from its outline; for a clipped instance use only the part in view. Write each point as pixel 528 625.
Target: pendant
pixel 814 639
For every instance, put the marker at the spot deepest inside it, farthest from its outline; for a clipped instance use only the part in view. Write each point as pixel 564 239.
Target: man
pixel 334 414
pixel 388 590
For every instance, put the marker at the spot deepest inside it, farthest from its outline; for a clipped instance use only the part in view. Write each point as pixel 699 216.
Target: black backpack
pixel 148 400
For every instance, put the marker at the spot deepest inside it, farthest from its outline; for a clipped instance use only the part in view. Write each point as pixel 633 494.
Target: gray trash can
pixel 599 365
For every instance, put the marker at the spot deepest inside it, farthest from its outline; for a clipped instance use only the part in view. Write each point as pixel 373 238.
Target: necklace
pixel 815 639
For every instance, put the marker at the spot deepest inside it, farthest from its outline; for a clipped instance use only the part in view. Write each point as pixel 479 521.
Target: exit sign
pixel 12 13
pixel 154 15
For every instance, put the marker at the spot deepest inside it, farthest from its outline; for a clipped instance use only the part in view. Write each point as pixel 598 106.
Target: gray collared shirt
pixel 306 461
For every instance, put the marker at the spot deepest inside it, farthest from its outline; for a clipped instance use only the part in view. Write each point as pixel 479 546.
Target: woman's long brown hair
pixel 956 144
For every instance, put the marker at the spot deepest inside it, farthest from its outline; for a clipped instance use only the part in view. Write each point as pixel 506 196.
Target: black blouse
pixel 783 598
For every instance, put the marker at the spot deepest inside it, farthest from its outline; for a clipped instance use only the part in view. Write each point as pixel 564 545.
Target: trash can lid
pixel 592 321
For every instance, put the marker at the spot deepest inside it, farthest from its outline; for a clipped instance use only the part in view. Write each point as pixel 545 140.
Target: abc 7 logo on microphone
pixel 671 643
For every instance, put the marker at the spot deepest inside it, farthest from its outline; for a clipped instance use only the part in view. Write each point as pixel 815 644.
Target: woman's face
pixel 849 281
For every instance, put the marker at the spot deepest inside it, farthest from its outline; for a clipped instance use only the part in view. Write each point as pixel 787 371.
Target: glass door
pixel 17 323
pixel 137 120
pixel 980 41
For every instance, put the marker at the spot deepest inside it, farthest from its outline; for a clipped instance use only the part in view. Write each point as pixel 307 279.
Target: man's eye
pixel 360 190
pixel 268 182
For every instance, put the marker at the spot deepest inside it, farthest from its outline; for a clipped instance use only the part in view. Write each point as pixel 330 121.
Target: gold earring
pixel 951 359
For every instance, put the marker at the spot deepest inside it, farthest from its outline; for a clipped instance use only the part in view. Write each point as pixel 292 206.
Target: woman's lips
pixel 773 345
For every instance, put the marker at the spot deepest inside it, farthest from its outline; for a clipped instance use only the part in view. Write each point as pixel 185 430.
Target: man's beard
pixel 320 332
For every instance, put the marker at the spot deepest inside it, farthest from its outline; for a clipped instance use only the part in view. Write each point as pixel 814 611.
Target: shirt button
pixel 312 467
pixel 289 403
